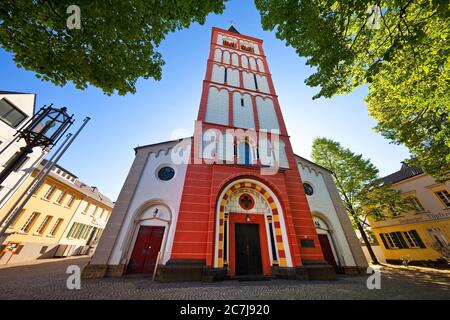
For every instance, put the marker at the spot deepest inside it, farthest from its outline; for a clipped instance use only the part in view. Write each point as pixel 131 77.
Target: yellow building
pixel 64 217
pixel 422 235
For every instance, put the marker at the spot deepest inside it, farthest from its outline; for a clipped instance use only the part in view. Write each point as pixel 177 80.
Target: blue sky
pixel 103 153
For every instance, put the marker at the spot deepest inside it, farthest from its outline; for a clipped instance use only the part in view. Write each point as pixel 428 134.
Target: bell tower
pixel 242 186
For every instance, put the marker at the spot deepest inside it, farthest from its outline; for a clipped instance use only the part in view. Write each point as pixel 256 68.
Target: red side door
pixel 326 250
pixel 146 248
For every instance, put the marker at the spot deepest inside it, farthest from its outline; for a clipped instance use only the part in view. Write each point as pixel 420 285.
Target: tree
pixel 115 46
pixel 358 185
pixel 404 57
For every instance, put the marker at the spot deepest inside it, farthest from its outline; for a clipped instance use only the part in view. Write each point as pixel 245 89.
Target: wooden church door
pixel 146 249
pixel 327 250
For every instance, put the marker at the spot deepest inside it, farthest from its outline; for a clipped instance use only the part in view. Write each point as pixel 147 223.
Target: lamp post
pixel 43 130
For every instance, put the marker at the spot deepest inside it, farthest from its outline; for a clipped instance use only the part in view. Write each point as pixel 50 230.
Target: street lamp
pixel 43 130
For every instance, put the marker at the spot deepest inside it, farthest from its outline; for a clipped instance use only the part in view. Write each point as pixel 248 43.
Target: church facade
pixel 229 201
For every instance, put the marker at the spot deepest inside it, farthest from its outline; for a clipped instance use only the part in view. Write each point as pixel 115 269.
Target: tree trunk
pixel 366 240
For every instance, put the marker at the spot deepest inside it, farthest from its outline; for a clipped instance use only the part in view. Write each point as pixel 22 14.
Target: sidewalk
pixel 41 261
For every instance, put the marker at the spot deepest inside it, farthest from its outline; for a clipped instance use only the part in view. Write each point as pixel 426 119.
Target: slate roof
pixel 80 186
pixel 405 172
pixel 233 29
pixel 12 92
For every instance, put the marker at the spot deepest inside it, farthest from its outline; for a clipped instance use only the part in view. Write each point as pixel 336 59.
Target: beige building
pixel 64 217
pixel 422 235
pixel 15 110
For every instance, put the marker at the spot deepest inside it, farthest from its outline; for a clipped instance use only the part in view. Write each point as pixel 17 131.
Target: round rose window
pixel 246 201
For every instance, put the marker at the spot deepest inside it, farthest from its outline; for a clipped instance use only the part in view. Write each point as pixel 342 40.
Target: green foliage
pixel 357 182
pixel 406 63
pixel 115 46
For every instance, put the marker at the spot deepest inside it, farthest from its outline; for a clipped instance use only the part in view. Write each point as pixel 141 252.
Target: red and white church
pixel 233 200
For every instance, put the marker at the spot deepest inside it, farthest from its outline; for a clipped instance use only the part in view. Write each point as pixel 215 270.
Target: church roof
pixel 12 92
pixel 233 29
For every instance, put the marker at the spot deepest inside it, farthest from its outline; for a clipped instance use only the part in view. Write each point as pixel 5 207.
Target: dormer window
pixel 247 48
pixel 229 44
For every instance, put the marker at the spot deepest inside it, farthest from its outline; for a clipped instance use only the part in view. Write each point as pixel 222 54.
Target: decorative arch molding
pixel 279 249
pixel 239 67
pixel 253 93
pixel 310 169
pixel 137 221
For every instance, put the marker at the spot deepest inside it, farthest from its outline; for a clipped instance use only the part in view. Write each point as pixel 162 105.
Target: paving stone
pixel 48 281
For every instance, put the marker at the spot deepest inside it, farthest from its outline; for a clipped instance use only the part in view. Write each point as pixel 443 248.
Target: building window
pixel 44 225
pixel 413 239
pixel 48 195
pixel 10 114
pixel 229 44
pixel 61 197
pixel 396 240
pixel 444 196
pixel 225 75
pixel 246 201
pixel 86 208
pixel 416 204
pixel 17 218
pixel 256 82
pixel 29 223
pixel 244 153
pixel 242 102
pixel 166 173
pixel 55 227
pixel 70 201
pixel 247 48
pixel 309 190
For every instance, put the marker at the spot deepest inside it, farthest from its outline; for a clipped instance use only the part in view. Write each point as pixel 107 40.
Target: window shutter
pixel 402 242
pixel 417 238
pixel 383 239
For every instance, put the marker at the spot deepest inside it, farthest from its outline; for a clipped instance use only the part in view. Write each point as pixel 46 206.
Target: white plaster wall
pixel 249 81
pixel 266 114
pixel 25 103
pixel 244 62
pixel 321 204
pixel 263 86
pixel 233 77
pixel 252 63
pixel 260 65
pixel 149 188
pixel 226 57
pixel 235 59
pixel 243 115
pixel 218 74
pixel 217 106
pixel 218 55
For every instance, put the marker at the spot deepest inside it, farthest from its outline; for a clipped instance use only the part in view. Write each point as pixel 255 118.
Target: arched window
pixel 244 153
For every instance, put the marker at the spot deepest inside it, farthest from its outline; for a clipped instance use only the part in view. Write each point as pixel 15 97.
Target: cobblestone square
pixel 48 281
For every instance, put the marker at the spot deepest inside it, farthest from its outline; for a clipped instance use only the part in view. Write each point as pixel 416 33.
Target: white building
pixel 337 238
pixel 15 110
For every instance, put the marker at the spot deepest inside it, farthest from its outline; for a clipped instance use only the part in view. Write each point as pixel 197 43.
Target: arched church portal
pixel 251 234
pixel 149 237
pixel 327 243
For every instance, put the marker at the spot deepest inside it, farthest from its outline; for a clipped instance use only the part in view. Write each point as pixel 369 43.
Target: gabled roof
pixel 233 29
pixel 405 172
pixel 13 92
